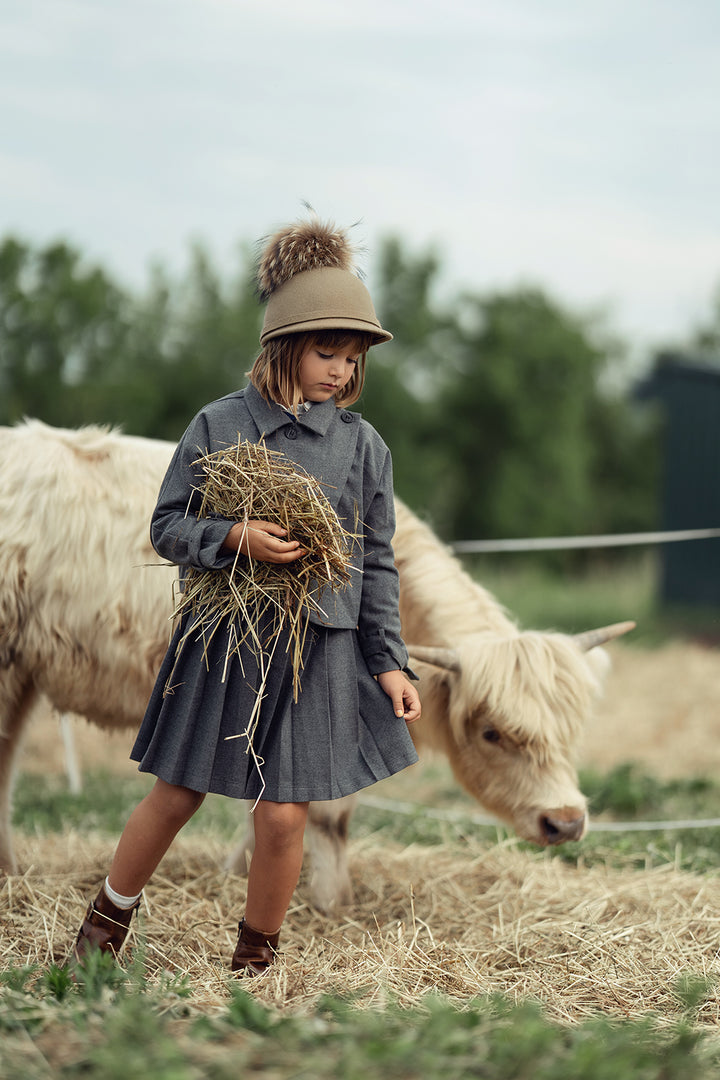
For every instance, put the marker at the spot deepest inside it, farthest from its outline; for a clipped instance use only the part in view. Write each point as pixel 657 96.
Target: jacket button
pixel 291 433
pixel 347 418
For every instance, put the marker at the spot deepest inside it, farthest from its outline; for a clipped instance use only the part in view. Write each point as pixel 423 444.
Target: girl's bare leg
pixel 276 862
pixel 150 830
pixel 148 834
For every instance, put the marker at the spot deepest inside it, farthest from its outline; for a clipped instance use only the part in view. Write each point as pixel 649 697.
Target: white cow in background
pixel 84 620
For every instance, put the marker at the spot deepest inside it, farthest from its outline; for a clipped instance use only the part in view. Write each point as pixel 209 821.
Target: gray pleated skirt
pixel 339 737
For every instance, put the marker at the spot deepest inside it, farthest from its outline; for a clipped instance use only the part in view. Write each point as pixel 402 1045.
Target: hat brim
pixel 328 323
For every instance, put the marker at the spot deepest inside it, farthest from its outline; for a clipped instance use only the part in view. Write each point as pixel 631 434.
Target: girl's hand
pixel 263 540
pixel 404 696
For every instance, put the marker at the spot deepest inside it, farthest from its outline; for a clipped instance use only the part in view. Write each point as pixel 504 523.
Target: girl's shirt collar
pixel 306 405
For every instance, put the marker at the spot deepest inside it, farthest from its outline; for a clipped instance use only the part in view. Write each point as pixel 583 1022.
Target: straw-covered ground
pixel 466 919
pixel 464 923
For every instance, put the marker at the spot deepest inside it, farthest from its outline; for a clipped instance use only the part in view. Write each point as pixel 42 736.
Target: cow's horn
pixel 431 654
pixel 589 639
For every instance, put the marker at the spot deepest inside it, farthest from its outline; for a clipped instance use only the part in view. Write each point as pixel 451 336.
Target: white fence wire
pixel 564 543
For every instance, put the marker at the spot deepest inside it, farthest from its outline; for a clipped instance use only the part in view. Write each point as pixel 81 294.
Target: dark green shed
pixel 689 391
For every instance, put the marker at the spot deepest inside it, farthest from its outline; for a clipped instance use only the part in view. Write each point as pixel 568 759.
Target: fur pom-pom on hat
pixel 306 275
pixel 306 245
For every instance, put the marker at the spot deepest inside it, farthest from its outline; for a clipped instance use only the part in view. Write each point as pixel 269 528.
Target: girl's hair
pixel 275 373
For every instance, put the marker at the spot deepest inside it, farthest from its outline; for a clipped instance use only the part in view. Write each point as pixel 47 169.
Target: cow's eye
pixel 491 734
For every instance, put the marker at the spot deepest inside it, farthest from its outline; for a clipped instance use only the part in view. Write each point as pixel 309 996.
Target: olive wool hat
pixel 306 275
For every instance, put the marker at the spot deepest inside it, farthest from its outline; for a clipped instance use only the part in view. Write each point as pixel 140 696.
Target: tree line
pixel 497 406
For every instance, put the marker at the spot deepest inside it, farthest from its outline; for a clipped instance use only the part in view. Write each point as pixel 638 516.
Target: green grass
pixel 570 600
pixel 629 794
pixel 692 850
pixel 112 1024
pixel 624 793
pixel 104 805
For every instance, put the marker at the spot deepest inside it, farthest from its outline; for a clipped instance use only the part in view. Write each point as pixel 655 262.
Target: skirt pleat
pixel 339 737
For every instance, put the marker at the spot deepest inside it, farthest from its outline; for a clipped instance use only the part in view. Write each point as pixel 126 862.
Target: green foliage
pixel 493 405
pixel 58 981
pixel 205 333
pixel 503 425
pixel 98 975
pixel 245 1012
pixel 130 1028
pixel 59 322
pixel 693 850
pixel 526 370
pixel 404 374
pixel 533 440
pixel 607 587
pixel 570 599
pixel 76 348
pixel 16 979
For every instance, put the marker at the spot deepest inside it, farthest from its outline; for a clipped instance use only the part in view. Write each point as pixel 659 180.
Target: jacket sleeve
pixel 379 619
pixel 176 532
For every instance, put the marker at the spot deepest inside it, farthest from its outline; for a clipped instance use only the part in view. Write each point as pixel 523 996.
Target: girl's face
pixel 325 370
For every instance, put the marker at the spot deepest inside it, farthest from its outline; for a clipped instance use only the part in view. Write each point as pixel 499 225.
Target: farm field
pixel 447 922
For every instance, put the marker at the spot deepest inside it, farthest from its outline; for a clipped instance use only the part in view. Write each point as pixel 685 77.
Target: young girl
pixel 347 728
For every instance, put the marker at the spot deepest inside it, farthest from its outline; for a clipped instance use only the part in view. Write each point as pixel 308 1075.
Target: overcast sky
pixel 569 143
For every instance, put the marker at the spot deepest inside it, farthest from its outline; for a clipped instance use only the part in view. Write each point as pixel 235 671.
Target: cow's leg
pixel 17 694
pixel 238 861
pixel 327 840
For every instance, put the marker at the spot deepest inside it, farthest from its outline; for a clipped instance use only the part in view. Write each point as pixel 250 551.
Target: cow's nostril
pixel 560 826
pixel 550 830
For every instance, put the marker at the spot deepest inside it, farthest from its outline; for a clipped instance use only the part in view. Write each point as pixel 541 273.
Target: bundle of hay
pixel 252 601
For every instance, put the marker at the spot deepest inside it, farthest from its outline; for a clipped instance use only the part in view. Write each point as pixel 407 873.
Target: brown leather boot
pixel 104 927
pixel 255 950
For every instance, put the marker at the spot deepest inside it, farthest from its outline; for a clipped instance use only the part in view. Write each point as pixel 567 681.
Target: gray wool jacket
pixel 341 450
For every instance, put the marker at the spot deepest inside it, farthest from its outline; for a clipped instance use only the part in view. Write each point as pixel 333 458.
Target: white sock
pixel 118 899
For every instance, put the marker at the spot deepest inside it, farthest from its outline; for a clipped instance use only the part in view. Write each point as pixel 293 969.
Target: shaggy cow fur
pixel 84 620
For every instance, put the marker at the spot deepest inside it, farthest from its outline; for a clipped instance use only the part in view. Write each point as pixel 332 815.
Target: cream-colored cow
pixel 84 620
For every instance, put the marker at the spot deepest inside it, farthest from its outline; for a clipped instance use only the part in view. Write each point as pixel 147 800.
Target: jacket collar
pixel 271 417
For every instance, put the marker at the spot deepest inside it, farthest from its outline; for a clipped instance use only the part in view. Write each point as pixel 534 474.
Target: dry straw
pixel 253 602
pixel 465 922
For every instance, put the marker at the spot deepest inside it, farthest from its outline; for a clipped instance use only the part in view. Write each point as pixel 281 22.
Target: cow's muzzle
pixel 559 826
